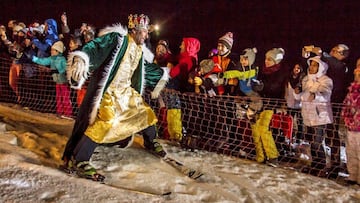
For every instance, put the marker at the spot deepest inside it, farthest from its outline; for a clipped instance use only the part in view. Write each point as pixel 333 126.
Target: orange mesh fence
pixel 221 125
pixel 217 124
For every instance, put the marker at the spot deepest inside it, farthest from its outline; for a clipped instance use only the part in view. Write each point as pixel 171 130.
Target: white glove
pixel 77 68
pixel 77 71
pixel 161 84
pixel 154 94
pixel 158 88
pixel 220 81
pixel 211 93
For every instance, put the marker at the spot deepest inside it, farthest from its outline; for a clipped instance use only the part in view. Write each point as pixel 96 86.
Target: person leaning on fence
pixel 57 63
pixel 316 110
pixel 163 62
pixel 341 76
pixel 226 60
pixel 294 80
pixel 179 74
pixel 351 115
pixel 204 79
pixel 248 70
pixel 15 49
pixel 113 109
pixel 269 84
pixel 273 75
pixel 23 63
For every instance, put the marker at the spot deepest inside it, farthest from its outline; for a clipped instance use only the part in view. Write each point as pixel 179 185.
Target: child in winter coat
pixel 188 59
pixel 351 115
pixel 205 80
pixel 316 108
pixel 248 71
pixel 57 63
pixel 293 105
pixel 273 74
pixel 226 60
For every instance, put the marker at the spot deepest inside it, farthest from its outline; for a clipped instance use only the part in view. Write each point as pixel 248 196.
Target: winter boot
pixel 82 169
pixel 273 162
pixel 305 157
pixel 68 166
pixel 85 170
pixel 156 149
pixel 327 151
pixel 343 169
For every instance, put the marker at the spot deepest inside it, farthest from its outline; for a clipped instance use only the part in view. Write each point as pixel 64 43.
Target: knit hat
pixel 227 40
pixel 277 54
pixel 207 65
pixel 250 54
pixel 58 46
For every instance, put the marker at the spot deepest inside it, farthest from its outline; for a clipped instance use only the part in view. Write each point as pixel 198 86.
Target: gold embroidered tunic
pixel 122 110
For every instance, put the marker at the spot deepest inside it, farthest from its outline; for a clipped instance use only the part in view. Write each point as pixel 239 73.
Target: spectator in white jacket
pixel 316 108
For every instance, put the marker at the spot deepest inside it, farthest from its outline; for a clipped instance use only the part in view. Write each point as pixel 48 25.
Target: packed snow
pixel 31 145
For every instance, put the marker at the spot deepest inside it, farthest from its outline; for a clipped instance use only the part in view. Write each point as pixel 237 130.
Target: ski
pixel 73 173
pixel 179 166
pixel 189 172
pixel 139 191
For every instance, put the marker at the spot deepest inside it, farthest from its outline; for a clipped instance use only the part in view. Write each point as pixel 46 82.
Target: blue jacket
pixel 57 63
pixel 50 38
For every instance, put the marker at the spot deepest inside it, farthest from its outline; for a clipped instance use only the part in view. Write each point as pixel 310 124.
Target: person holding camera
pixel 316 110
pixel 340 74
pixel 338 70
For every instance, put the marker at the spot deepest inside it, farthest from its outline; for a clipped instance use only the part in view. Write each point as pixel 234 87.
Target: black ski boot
pixel 156 149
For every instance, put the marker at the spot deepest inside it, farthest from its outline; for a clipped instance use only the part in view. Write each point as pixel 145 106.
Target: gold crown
pixel 138 21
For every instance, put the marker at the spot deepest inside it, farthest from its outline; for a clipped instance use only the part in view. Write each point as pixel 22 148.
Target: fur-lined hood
pixel 323 66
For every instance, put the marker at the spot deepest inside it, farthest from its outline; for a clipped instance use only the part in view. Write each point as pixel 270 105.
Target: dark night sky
pixel 289 24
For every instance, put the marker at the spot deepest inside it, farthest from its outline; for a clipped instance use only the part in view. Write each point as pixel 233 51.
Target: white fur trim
pixel 113 28
pixel 142 88
pixel 149 57
pixel 147 54
pixel 161 84
pixel 77 68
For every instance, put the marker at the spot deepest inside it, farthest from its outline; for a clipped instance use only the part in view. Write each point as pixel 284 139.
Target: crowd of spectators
pixel 310 86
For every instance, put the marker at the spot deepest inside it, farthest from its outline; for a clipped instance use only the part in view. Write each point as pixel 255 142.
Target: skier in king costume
pixel 113 109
